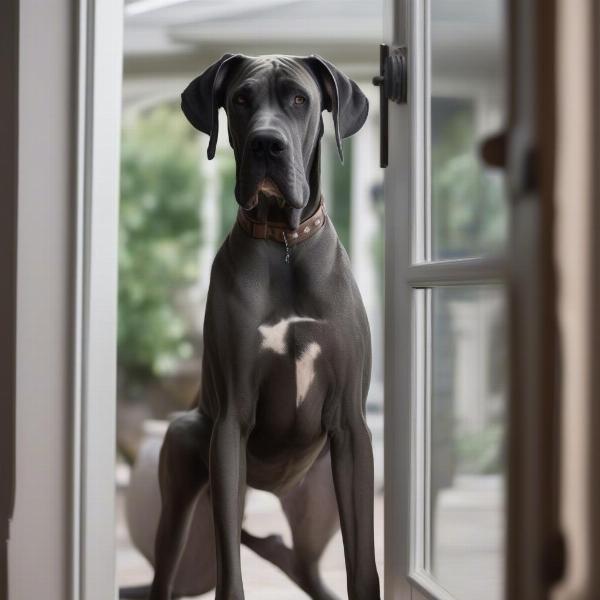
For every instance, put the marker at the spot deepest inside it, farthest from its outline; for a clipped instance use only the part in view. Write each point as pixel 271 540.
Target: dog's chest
pixel 292 365
pixel 293 344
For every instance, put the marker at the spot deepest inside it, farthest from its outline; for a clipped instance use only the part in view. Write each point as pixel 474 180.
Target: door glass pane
pixel 466 448
pixel 468 210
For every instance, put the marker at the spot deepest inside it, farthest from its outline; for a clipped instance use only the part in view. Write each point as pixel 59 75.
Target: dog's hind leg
pixel 183 473
pixel 311 511
pixel 138 592
pixel 273 549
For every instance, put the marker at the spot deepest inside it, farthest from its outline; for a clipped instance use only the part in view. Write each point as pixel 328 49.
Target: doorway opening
pixel 176 207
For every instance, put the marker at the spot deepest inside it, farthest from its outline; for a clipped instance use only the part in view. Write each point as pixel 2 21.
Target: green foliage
pixel 159 239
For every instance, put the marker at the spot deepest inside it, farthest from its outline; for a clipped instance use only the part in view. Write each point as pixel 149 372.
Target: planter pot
pixel 195 576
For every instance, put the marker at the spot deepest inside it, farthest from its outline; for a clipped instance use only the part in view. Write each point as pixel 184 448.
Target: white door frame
pixel 407 273
pixel 397 430
pixel 67 113
pixel 99 30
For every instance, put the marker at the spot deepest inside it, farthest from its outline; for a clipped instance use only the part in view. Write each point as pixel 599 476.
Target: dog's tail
pixel 135 592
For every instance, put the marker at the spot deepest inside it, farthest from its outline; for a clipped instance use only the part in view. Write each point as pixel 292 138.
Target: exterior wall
pixel 39 546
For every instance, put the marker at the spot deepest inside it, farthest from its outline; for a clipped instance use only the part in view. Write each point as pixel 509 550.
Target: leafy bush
pixel 159 239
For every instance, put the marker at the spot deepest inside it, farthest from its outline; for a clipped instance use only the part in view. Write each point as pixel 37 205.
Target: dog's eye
pixel 240 99
pixel 299 99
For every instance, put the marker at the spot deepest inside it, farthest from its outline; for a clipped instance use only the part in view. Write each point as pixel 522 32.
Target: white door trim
pixel 397 430
pixel 99 75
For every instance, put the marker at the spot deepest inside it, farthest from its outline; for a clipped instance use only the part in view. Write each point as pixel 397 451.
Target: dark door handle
pixel 392 83
pixel 492 150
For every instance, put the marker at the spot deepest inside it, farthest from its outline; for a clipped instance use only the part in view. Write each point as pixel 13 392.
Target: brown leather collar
pixel 280 232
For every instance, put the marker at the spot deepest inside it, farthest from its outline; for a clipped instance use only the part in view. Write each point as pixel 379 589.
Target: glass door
pixel 447 358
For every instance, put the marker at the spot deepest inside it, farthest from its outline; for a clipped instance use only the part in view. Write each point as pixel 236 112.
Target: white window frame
pixel 409 273
pixel 99 31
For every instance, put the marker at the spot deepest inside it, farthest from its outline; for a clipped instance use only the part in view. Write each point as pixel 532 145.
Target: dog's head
pixel 274 106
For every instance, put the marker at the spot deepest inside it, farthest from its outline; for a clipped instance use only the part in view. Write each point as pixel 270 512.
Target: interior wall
pixel 573 258
pixel 39 546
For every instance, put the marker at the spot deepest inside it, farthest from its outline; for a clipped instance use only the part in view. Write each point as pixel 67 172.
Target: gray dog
pixel 287 353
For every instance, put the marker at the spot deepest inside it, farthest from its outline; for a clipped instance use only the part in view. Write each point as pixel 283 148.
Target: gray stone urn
pixel 194 577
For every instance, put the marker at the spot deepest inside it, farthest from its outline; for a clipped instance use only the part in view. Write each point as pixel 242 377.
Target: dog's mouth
pixel 267 188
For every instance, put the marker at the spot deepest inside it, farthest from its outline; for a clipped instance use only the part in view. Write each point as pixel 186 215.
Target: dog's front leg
pixel 352 465
pixel 227 482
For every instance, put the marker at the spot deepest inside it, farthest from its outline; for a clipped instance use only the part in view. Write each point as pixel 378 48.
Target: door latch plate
pixel 392 83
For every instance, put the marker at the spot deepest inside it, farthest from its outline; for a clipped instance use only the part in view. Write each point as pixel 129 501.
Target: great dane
pixel 287 355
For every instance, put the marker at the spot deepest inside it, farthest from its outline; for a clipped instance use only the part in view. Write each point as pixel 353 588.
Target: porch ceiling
pixel 174 37
pixel 169 41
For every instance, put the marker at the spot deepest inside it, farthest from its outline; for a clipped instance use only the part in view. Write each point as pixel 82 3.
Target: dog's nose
pixel 268 143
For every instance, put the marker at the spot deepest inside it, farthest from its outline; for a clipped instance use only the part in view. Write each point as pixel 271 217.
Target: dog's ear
pixel 202 98
pixel 342 97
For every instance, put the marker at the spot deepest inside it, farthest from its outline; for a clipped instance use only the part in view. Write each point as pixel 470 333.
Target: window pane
pixel 467 441
pixel 468 208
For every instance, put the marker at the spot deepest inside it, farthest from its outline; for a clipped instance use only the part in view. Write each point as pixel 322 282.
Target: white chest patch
pixel 274 335
pixel 305 371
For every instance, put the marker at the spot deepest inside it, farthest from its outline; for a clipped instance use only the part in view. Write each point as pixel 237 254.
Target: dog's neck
pixel 267 210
